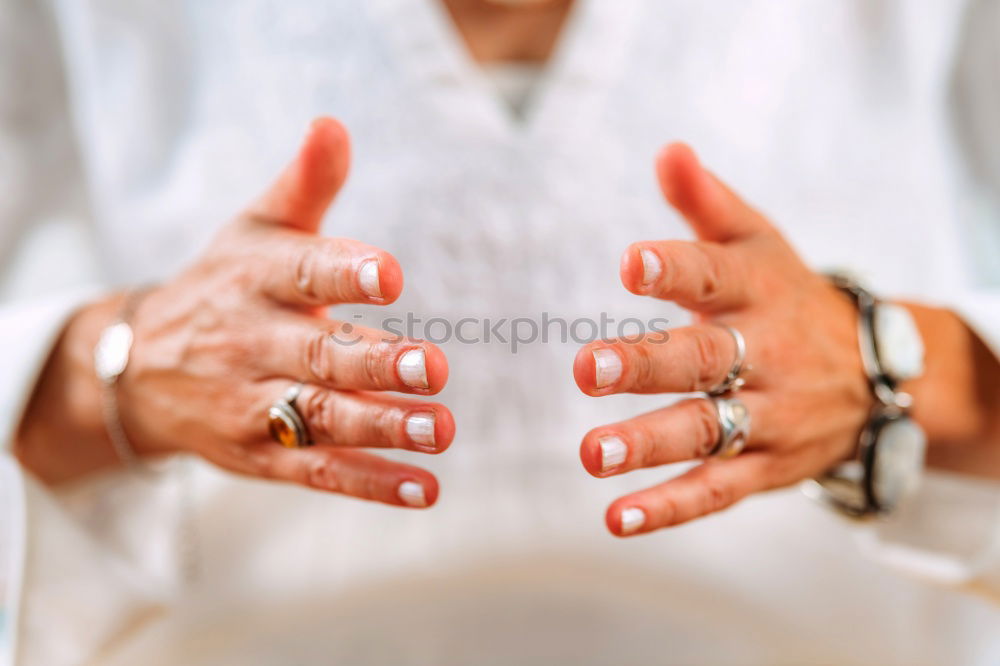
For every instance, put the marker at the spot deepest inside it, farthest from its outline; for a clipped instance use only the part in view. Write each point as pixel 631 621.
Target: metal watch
pixel 889 460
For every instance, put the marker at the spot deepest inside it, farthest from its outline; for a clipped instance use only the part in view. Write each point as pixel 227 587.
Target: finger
pixel 686 430
pixel 364 419
pixel 304 190
pixel 344 471
pixel 341 355
pixel 708 488
pixel 682 360
pixel 712 209
pixel 307 271
pixel 702 276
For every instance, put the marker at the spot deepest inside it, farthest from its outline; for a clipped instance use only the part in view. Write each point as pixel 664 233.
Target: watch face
pixel 899 345
pixel 898 463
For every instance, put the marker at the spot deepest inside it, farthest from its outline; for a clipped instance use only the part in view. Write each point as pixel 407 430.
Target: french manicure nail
pixel 651 267
pixel 368 278
pixel 632 519
pixel 412 368
pixel 412 494
pixel 613 452
pixel 607 367
pixel 420 428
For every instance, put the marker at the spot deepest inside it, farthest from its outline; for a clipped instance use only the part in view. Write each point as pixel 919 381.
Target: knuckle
pixel 386 425
pixel 319 358
pixel 709 356
pixel 706 427
pixel 319 473
pixel 305 271
pixel 717 496
pixel 646 443
pixel 321 412
pixel 641 362
pixel 710 287
pixel 376 359
pixel 669 510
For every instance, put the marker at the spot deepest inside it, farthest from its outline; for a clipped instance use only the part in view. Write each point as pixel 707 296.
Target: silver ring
pixel 733 381
pixel 284 422
pixel 734 427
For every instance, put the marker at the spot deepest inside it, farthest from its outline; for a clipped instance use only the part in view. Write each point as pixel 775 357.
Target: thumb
pixel 304 190
pixel 714 211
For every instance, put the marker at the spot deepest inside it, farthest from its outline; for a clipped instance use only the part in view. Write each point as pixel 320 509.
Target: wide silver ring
pixel 284 422
pixel 733 381
pixel 734 427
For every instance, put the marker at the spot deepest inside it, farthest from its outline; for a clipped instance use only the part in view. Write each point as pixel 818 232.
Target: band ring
pixel 733 381
pixel 284 422
pixel 734 427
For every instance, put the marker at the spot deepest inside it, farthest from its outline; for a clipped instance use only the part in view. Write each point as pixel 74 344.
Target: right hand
pixel 216 346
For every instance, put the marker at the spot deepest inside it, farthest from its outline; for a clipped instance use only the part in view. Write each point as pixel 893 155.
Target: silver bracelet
pixel 111 356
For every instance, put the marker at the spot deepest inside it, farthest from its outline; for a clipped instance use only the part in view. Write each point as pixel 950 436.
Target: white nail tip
pixel 651 266
pixel 368 278
pixel 607 367
pixel 632 519
pixel 613 452
pixel 420 429
pixel 411 493
pixel 412 368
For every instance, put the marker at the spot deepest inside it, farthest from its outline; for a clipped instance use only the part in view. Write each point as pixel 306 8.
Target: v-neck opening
pixel 457 49
pixel 480 70
pixel 586 54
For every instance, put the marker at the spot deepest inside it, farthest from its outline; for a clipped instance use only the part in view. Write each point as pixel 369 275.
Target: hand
pixel 806 391
pixel 215 347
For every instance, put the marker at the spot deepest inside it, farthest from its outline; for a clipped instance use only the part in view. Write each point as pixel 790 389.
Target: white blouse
pixel 131 129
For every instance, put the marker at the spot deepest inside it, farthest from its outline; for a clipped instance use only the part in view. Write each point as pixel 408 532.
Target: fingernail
pixel 632 519
pixel 651 267
pixel 607 367
pixel 412 368
pixel 368 278
pixel 412 494
pixel 420 428
pixel 613 452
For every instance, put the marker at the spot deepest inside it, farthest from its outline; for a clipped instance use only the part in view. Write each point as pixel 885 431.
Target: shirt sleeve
pixel 975 116
pixel 54 572
pixel 26 335
pixel 71 595
pixel 950 532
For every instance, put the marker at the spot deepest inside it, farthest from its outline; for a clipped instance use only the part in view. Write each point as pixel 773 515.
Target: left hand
pixel 805 390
